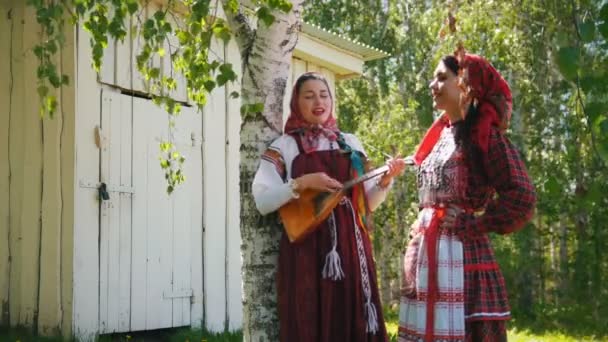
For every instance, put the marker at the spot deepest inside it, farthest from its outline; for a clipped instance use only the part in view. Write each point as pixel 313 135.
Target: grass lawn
pixel 167 335
pixel 188 335
pixel 392 326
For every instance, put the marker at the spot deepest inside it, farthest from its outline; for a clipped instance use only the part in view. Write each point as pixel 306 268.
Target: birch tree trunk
pixel 266 52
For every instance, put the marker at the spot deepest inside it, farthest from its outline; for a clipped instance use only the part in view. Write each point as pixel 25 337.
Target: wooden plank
pixel 324 54
pixel 139 82
pixel 214 161
pixel 109 65
pixel 68 162
pixel 180 93
pixel 182 212
pixel 139 258
pixel 16 153
pixel 156 215
pixel 126 207
pixel 86 205
pixel 235 303
pixel 299 67
pixel 6 82
pixel 114 206
pixel 194 183
pixel 124 62
pixel 159 237
pixel 49 312
pixel 331 79
pixel 312 67
pixel 104 217
pixel 187 211
pixel 32 184
pixel 112 255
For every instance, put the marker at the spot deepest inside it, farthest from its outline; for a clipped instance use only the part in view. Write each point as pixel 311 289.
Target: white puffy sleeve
pixel 270 187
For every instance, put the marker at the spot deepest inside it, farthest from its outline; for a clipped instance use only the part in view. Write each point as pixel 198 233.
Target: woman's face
pixel 444 88
pixel 314 101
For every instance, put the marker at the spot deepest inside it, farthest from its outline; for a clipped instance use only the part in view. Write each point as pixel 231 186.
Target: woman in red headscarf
pixel 471 182
pixel 326 283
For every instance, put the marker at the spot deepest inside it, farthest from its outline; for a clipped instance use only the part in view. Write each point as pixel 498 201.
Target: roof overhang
pixel 343 56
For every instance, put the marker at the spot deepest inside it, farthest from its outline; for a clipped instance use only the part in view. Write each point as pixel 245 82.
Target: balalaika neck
pixel 372 174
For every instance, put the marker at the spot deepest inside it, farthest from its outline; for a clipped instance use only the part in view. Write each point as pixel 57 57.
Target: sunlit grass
pixel 524 336
pixel 514 335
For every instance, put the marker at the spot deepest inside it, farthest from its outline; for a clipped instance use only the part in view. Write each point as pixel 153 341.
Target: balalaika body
pixel 303 215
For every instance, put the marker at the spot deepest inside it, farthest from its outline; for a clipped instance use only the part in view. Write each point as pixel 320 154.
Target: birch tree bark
pixel 266 52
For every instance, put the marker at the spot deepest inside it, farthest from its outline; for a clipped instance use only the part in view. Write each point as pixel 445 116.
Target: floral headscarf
pixel 483 87
pixel 296 124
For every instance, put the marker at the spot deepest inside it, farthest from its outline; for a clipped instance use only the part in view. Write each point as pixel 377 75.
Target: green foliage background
pixel 555 56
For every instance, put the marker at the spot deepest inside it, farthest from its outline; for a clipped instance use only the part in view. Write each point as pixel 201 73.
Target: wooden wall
pixel 36 182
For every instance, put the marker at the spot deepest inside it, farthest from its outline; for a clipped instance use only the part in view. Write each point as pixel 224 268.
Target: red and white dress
pixel 458 292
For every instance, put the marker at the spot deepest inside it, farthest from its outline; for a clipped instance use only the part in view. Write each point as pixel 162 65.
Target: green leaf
pixel 166 146
pixel 587 31
pixel 132 6
pixel 285 6
pixel 209 85
pixel 603 28
pixel 159 15
pixel 232 6
pixel 43 90
pixel 222 32
pixel 567 60
pixel 594 109
pixel 227 72
pixel 552 186
pixel 604 127
pixel 604 12
pixel 221 79
pixel 256 108
pixel 38 51
pixel 265 15
pixel 154 72
pixel 234 95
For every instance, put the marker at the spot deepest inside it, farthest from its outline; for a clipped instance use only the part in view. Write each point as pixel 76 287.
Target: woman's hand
pixel 318 181
pixel 396 166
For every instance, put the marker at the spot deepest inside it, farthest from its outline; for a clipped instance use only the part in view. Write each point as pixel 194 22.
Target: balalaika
pixel 303 215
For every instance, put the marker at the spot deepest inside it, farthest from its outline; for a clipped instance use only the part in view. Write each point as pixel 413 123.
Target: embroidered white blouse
pixel 270 192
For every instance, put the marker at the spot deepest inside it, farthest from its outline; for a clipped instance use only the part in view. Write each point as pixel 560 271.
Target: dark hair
pixel 464 128
pixel 311 76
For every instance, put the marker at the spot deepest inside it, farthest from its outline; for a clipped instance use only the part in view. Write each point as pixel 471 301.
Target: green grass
pixel 168 335
pixel 549 333
pixel 538 335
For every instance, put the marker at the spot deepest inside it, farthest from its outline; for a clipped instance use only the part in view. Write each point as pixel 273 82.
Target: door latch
pixel 103 192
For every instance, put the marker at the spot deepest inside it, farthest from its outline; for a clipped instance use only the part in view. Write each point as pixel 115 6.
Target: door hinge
pixel 183 293
pixel 108 188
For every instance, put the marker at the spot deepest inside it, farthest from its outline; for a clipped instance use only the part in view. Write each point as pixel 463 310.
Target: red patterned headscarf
pixel 485 88
pixel 296 124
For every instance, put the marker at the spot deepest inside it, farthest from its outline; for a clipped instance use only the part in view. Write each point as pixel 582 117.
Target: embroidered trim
pixel 369 309
pixel 273 156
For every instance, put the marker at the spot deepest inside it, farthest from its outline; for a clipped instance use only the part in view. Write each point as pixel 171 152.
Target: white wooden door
pixel 148 239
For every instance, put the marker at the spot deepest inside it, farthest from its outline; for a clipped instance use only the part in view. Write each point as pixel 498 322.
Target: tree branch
pixel 239 23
